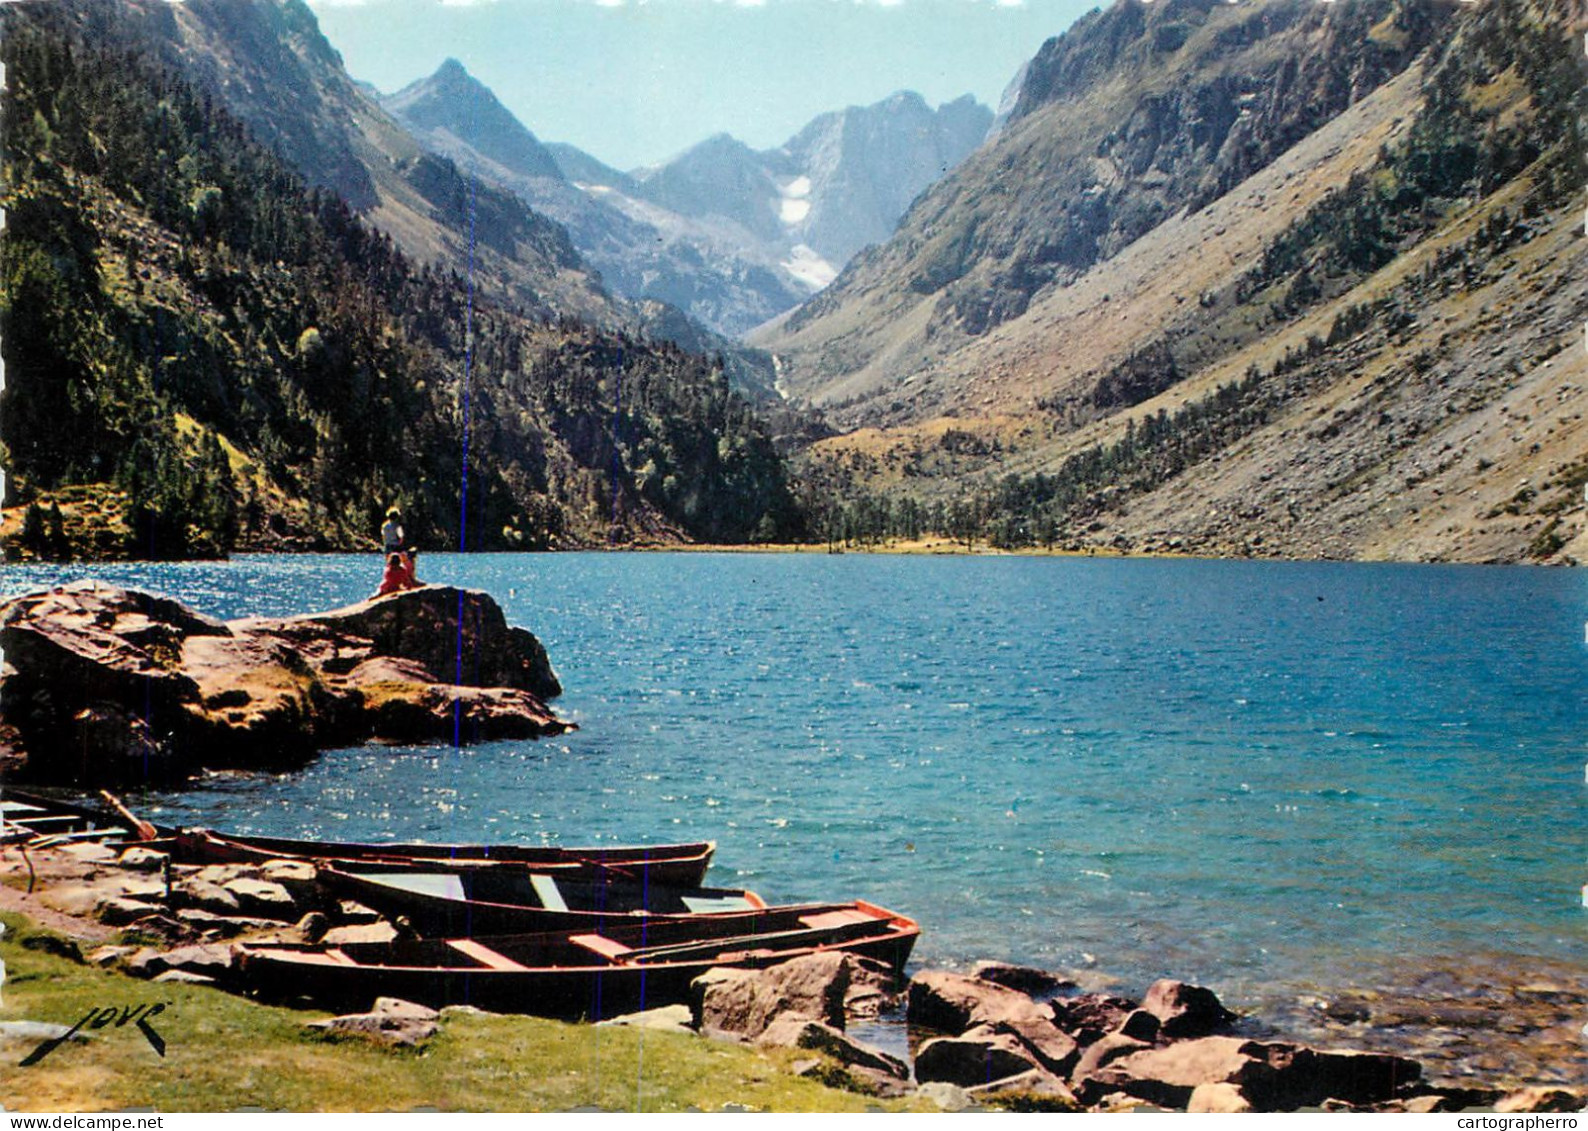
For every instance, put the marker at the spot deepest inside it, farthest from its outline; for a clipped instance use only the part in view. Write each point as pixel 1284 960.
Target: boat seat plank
pixel 600 944
pixel 706 905
pixel 484 955
pixel 49 840
pixel 548 894
pixel 837 918
pixel 802 936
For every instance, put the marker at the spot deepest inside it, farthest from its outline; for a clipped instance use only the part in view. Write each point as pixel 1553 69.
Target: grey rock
pixel 378 931
pixel 1030 1091
pixel 121 912
pixel 186 976
pixel 744 1002
pixel 980 1056
pixel 793 1031
pixel 1185 1010
pixel 1541 1099
pixel 1026 979
pixel 109 955
pixel 382 1027
pixel 1089 1017
pixel 263 898
pixel 953 1003
pixel 1217 1099
pixel 668 1018
pixel 406 1010
pixel 206 895
pixel 143 859
pixel 222 926
pixel 1105 1050
pixel 948 1097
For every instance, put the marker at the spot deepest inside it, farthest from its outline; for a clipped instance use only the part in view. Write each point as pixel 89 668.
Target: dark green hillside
pixel 234 361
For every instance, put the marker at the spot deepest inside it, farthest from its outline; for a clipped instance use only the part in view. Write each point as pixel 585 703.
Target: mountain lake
pixel 1332 792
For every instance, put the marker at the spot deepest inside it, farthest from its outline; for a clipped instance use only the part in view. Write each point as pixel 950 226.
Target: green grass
pixel 225 1052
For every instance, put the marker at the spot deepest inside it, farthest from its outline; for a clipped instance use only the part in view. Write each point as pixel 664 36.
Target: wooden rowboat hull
pixel 511 901
pixel 674 865
pixel 557 975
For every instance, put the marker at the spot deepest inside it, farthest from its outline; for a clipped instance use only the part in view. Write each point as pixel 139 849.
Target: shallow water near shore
pixel 1286 781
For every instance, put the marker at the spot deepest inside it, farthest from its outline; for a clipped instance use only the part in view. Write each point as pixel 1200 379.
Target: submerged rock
pixel 104 684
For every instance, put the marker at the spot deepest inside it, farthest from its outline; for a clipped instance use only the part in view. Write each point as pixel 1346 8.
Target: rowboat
pixel 573 974
pixel 514 900
pixel 41 821
pixel 675 865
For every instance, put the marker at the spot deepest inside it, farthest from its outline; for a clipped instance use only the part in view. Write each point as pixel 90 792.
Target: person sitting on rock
pixel 399 575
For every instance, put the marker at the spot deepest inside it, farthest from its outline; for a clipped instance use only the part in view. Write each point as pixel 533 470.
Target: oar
pixel 145 830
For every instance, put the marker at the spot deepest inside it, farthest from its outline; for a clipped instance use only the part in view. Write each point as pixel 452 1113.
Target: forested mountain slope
pixel 266 62
pixel 202 353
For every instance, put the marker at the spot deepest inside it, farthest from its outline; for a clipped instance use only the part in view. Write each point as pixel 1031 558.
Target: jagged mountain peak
pixel 452 101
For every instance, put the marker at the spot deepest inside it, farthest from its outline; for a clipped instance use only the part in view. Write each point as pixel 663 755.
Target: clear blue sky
pixel 633 82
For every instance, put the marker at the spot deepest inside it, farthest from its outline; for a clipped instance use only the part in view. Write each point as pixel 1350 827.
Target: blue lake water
pixel 1259 776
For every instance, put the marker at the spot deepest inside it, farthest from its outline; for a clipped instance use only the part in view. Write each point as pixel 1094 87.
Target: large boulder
pixel 1541 1099
pixel 979 1056
pixel 1271 1077
pixel 103 684
pixel 743 1003
pixel 459 635
pixel 1090 1017
pixel 1184 1010
pixel 953 1003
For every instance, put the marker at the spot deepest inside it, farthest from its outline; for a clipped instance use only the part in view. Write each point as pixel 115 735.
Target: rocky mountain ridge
pixel 731 236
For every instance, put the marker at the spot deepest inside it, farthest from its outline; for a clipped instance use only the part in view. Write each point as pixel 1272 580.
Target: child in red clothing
pixel 399 575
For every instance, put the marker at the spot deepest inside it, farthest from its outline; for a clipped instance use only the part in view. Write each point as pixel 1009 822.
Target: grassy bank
pixel 225 1053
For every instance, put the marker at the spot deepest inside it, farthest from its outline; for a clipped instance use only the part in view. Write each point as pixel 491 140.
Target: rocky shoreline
pixel 998 1036
pixel 104 686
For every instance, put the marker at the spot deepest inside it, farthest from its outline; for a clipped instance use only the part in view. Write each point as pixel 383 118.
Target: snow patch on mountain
pixel 809 267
